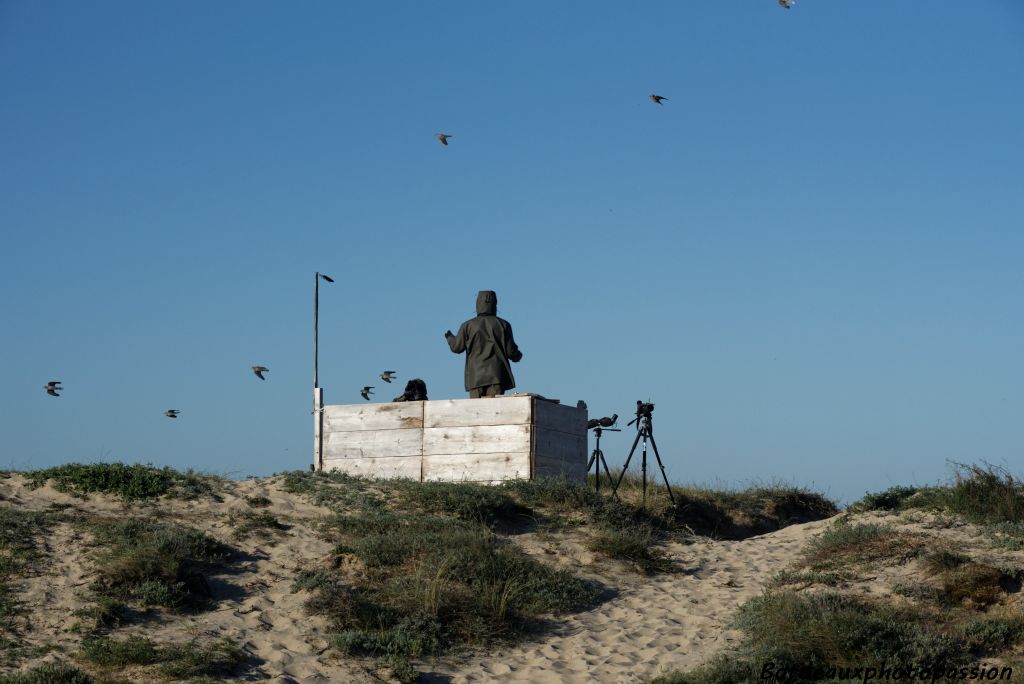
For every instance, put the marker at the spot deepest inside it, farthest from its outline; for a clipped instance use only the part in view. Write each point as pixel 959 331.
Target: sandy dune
pixel 648 626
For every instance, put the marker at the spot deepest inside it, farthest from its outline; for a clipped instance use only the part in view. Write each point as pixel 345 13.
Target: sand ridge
pixel 647 625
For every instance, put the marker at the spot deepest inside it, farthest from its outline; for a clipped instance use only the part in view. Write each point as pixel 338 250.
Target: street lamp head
pixel 327 278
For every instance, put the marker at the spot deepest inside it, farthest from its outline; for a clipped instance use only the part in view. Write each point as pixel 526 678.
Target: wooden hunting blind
pixel 464 440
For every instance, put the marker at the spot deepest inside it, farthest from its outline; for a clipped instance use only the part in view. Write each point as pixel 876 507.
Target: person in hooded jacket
pixel 489 346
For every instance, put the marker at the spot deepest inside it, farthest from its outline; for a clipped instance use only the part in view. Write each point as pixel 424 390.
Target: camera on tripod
pixel 643 410
pixel 605 422
pixel 644 433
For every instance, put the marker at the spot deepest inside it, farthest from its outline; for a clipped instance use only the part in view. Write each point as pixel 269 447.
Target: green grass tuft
pixel 154 563
pixel 19 551
pixel 50 673
pixel 826 632
pixel 633 544
pixel 984 494
pixel 890 500
pixel 180 661
pixel 130 482
pixel 436 576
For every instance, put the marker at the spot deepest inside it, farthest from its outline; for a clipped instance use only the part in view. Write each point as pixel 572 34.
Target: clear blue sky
pixel 810 257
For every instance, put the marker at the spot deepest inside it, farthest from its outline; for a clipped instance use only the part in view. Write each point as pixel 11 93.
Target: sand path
pixel 654 624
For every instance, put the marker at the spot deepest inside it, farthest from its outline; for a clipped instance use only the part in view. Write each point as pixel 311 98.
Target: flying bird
pixel 786 4
pixel 259 371
pixel 443 137
pixel 53 387
pixel 656 99
pixel 172 413
pixel 366 392
pixel 387 375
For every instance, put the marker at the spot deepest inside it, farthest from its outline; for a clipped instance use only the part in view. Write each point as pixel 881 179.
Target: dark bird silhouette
pixel 786 4
pixel 656 99
pixel 443 137
pixel 366 392
pixel 387 375
pixel 259 371
pixel 53 387
pixel 172 413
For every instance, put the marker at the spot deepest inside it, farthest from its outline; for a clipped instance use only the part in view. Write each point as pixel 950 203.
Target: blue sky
pixel 809 257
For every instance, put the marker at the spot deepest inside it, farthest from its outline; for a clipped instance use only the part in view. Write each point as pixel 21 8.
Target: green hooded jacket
pixel 489 346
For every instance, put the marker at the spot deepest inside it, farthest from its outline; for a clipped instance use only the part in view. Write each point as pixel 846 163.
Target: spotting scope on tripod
pixel 645 432
pixel 598 425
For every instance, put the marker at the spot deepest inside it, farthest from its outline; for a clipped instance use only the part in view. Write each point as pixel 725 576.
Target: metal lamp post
pixel 318 394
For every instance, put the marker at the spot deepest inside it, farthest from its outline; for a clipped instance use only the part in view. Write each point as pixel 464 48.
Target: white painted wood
pixel 473 412
pixel 484 439
pixel 318 423
pixel 468 440
pixel 476 467
pixel 374 443
pixel 379 468
pixel 361 417
pixel 559 417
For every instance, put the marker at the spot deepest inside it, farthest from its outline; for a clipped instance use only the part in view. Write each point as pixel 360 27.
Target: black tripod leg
pixel 661 465
pixel 606 471
pixel 615 489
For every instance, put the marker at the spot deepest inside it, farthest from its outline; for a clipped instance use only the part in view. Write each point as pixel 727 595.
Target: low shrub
pixel 154 563
pixel 130 482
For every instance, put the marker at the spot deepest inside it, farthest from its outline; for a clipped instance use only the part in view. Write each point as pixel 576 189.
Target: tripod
pixel 644 431
pixel 597 458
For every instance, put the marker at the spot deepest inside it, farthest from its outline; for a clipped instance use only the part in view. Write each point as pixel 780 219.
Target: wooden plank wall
pixel 469 440
pixel 559 441
pixel 477 440
pixel 375 440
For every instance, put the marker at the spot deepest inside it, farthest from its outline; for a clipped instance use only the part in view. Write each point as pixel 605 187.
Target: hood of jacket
pixel 486 303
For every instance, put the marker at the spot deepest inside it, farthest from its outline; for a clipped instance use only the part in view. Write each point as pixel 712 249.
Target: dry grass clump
pixel 248 523
pixel 960 580
pixel 845 546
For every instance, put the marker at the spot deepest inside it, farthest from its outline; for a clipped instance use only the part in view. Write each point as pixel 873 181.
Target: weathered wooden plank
pixel 470 412
pixel 559 417
pixel 570 471
pixel 373 443
pixel 390 416
pixel 551 444
pixel 380 468
pixel 476 468
pixel 481 439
